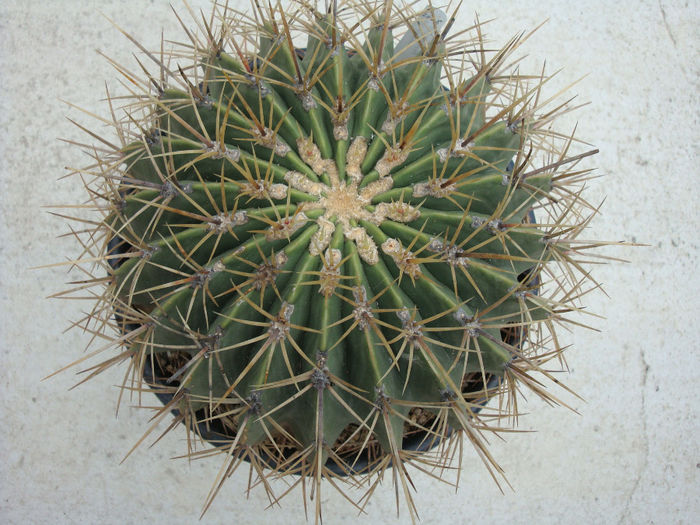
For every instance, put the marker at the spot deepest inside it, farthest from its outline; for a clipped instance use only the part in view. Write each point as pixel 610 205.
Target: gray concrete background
pixel 631 456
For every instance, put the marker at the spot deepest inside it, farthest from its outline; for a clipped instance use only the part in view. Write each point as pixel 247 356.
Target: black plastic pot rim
pixel 418 442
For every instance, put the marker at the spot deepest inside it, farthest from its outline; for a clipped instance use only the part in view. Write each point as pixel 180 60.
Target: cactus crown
pixel 330 253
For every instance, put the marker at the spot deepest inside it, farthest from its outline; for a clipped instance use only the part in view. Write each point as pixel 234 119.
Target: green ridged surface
pixel 198 283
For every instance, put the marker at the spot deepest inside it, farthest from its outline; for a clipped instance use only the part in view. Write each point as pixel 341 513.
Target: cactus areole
pixel 323 254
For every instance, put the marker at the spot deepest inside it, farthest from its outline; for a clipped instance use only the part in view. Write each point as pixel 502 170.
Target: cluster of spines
pixel 232 163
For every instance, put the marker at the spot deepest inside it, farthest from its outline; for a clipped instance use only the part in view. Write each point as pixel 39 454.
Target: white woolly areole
pixel 343 203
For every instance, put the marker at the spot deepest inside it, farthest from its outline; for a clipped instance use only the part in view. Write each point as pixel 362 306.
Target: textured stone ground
pixel 631 456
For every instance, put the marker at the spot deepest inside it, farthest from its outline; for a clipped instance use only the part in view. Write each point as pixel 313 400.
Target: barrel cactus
pixel 327 256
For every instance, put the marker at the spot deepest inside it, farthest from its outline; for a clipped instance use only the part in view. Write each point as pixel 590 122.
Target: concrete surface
pixel 632 454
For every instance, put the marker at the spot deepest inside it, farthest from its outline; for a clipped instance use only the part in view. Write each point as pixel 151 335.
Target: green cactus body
pixel 316 245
